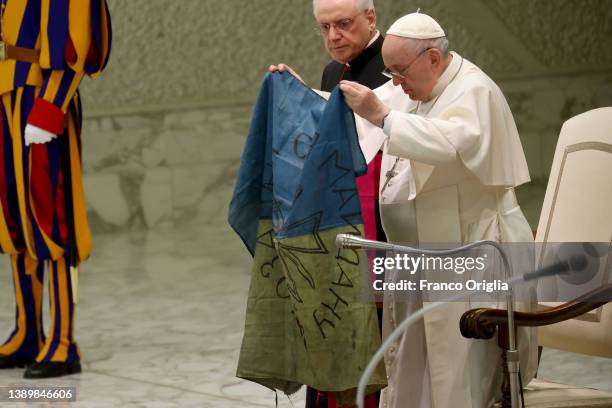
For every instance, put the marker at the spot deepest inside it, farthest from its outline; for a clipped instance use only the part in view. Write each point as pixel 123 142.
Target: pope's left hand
pixel 364 102
pixel 34 134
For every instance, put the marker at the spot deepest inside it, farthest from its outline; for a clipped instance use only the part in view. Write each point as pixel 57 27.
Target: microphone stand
pixel 512 355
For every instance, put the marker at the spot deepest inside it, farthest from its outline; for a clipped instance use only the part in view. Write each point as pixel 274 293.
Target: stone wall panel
pixel 166 123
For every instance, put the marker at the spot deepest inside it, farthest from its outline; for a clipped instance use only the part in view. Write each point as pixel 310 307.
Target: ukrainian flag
pixel 296 190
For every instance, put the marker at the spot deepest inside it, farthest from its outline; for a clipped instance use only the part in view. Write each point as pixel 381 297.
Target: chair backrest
pixel 578 208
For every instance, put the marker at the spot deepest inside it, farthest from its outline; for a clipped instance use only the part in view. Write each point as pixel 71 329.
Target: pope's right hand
pixel 284 67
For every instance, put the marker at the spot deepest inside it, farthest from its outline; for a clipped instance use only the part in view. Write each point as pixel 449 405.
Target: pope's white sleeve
pixel 416 138
pixel 463 128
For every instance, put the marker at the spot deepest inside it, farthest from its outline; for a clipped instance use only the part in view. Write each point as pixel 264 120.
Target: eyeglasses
pixel 390 74
pixel 344 25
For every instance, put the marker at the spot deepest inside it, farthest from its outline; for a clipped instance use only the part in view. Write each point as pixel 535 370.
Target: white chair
pixel 577 208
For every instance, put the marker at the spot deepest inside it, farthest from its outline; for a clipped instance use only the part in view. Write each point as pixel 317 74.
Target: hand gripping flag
pixel 305 323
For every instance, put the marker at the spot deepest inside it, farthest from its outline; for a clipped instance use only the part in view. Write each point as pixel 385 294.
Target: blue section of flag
pixel 299 163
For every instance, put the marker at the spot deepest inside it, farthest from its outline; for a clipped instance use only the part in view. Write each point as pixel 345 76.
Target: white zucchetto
pixel 418 26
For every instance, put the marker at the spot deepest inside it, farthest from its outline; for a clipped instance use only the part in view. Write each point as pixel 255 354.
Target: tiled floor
pixel 160 322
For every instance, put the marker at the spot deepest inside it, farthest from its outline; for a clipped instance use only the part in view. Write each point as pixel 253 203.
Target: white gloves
pixel 34 134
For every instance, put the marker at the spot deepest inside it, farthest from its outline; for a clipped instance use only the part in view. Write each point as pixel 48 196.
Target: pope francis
pixel 452 157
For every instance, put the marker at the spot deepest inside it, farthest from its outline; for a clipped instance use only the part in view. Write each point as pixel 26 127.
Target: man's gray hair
pixel 440 43
pixel 362 5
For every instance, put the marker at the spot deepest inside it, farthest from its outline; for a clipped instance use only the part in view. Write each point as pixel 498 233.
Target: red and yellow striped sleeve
pixel 75 41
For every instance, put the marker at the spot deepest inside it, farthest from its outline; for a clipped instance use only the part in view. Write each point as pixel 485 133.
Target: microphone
pixel 351 241
pixel 572 264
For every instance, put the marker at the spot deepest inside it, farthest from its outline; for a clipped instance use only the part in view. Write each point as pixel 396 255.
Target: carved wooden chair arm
pixel 482 323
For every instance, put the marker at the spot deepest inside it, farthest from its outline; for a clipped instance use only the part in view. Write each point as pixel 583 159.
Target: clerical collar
pixel 373 48
pixel 448 75
pixel 374 38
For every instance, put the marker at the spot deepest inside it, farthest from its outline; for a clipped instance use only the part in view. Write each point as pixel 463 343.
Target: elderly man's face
pixel 345 29
pixel 417 70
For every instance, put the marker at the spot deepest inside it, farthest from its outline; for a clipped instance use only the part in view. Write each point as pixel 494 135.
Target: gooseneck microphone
pixel 355 242
pixel 571 264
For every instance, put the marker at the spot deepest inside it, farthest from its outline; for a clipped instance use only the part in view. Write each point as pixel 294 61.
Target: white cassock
pixel 448 172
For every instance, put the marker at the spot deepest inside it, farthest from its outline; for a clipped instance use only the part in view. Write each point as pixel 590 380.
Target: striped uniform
pixel 43 216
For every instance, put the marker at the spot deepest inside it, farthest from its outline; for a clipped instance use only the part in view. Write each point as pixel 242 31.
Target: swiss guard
pixel 46 48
